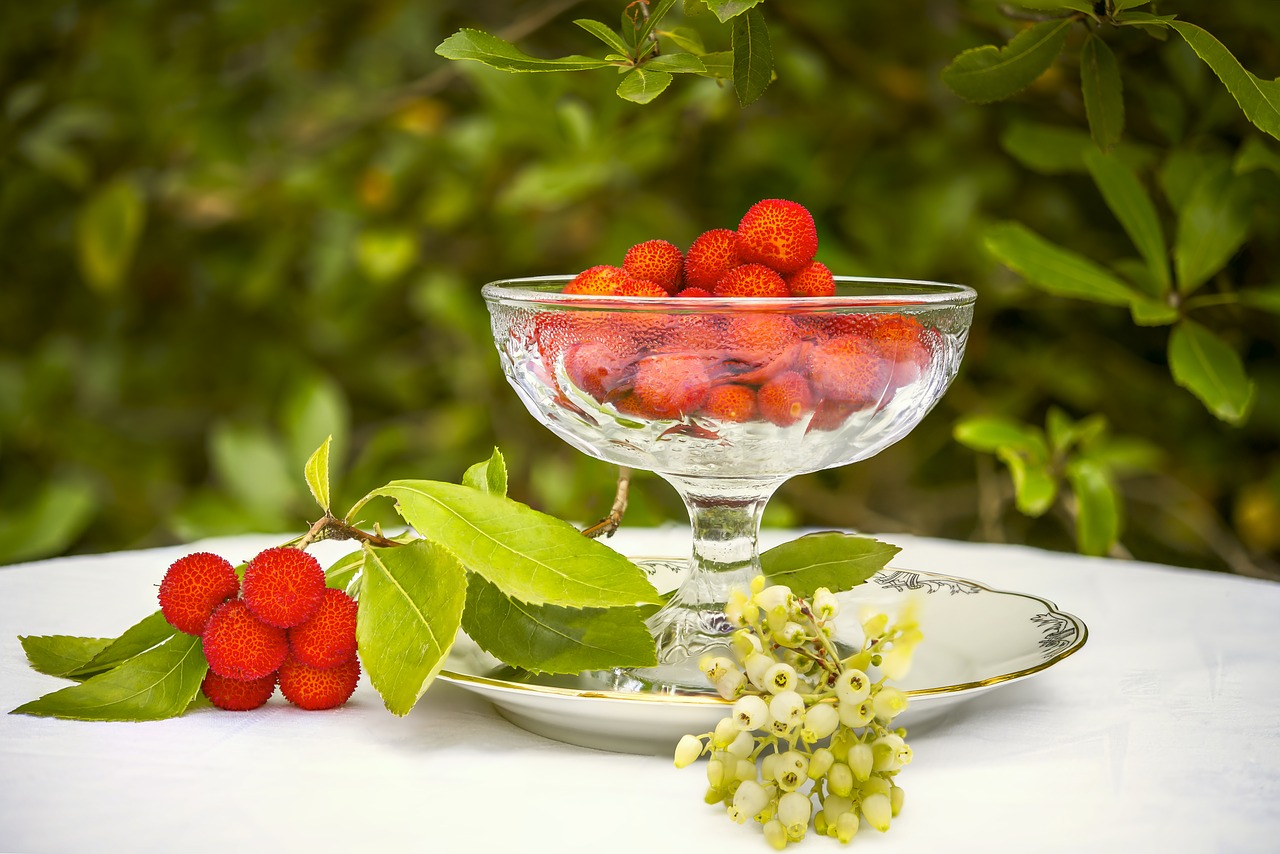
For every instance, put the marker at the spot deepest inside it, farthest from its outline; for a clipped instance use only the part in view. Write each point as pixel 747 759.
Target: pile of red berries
pixel 283 625
pixel 781 366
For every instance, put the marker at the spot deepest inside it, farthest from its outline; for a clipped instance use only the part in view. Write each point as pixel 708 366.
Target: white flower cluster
pixel 807 742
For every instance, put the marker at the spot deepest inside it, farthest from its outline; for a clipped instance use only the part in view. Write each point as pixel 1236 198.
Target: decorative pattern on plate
pixel 901 580
pixel 1059 633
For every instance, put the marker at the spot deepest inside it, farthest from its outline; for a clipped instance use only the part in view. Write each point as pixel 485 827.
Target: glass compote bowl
pixel 726 399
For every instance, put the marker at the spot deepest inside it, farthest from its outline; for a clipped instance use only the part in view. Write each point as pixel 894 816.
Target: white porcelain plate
pixel 975 639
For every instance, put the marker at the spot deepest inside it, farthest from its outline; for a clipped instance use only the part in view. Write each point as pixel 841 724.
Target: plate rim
pixel 916 694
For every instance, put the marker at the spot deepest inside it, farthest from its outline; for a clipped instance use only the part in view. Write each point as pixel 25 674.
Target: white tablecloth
pixel 1162 734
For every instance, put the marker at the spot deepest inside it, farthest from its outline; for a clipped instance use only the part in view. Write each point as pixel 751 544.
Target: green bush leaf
pixel 1097 507
pixel 58 655
pixel 551 639
pixel 54 518
pixel 343 571
pixel 1133 207
pixel 605 34
pixel 1053 5
pixel 489 476
pixel 727 9
pixel 657 11
pixel 317 475
pixel 411 601
pixel 493 51
pixel 990 433
pixel 253 466
pixel 752 56
pixel 1151 312
pixel 1205 365
pixel 988 73
pixel 1103 93
pixel 686 38
pixel 676 63
pixel 828 559
pixel 719 64
pixel 159 683
pixel 1255 154
pixel 1052 268
pixel 148 633
pixel 1212 225
pixel 107 232
pixel 529 555
pixel 1265 297
pixel 1258 98
pixel 1034 486
pixel 641 85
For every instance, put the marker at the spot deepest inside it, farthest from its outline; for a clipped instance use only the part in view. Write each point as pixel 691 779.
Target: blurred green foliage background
pixel 229 229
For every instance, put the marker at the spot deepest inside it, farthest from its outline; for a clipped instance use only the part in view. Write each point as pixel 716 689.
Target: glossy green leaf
pixel 58 655
pixel 676 63
pixel 489 476
pixel 411 601
pixel 1153 312
pixel 107 232
pixel 1097 507
pixel 752 56
pixel 658 10
pixel 686 38
pixel 1125 454
pixel 1052 268
pixel 828 559
pixel 148 633
pixel 1213 224
pixel 1123 5
pixel 1154 24
pixel 317 475
pixel 1103 93
pixel 57 514
pixel 1258 98
pixel 641 85
pixel 342 574
pixel 154 685
pixel 551 639
pixel 1205 365
pixel 1264 297
pixel 719 64
pixel 1034 486
pixel 605 34
pixel 1133 207
pixel 493 51
pixel 989 73
pixel 728 9
pixel 990 433
pixel 529 555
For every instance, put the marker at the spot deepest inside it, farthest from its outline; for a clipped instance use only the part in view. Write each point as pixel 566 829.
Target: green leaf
pixel 990 433
pixel 529 555
pixel 752 56
pixel 55 517
pixel 1259 99
pixel 411 601
pixel 727 9
pixel 157 684
pixel 1265 297
pixel 1065 434
pixel 343 572
pixel 1212 225
pixel 1085 6
pixel 317 474
pixel 1122 5
pixel 828 559
pixel 641 85
pixel 253 466
pixel 1097 507
pixel 58 655
pixel 1103 93
pixel 489 476
pixel 1034 485
pixel 988 73
pixel 1151 312
pixel 686 38
pixel 1183 170
pixel 1124 454
pixel 1255 154
pixel 1052 268
pixel 605 34
pixel 493 51
pixel 1154 24
pixel 107 231
pixel 657 11
pixel 1047 149
pixel 551 639
pixel 1133 207
pixel 719 64
pixel 676 63
pixel 1205 365
pixel 314 408
pixel 148 633
pixel 385 254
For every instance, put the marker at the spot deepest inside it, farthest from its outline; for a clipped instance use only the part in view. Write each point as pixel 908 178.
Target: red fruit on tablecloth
pixel 779 234
pixel 329 637
pixel 313 688
pixel 238 695
pixel 283 586
pixel 238 645
pixel 658 261
pixel 193 587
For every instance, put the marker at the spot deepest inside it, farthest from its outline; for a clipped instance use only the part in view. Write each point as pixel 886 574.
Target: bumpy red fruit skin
pixel 329 637
pixel 283 586
pixel 193 586
pixel 237 695
pixel 730 402
pixel 779 234
pixel 812 280
pixel 712 255
pixel 314 689
pixel 751 280
pixel 238 645
pixel 785 398
pixel 658 261
pixel 637 287
pixel 602 280
pixel 694 293
pixel 850 370
pixel 669 385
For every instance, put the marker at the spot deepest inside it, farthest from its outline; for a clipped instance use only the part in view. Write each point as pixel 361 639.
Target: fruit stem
pixel 609 524
pixel 329 527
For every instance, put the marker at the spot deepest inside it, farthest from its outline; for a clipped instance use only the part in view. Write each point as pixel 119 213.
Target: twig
pixel 609 524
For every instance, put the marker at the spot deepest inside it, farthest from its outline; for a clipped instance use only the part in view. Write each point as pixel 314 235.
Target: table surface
pixel 1163 733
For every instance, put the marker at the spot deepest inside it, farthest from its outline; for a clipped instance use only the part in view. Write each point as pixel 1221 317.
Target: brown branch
pixel 609 524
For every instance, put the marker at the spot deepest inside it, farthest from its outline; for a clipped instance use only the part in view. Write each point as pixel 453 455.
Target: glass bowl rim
pixel 543 291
